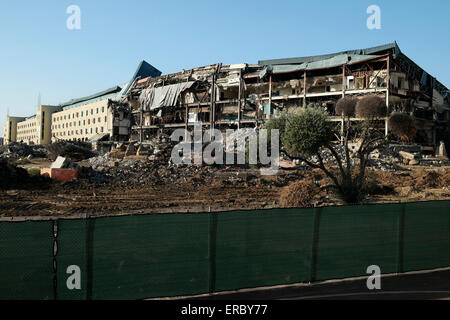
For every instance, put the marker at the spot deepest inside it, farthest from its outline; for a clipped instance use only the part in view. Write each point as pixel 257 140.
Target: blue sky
pixel 39 55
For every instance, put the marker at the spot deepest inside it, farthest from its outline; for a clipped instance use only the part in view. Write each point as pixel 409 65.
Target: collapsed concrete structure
pixel 243 95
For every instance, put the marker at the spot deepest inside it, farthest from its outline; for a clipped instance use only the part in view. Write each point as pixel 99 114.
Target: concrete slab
pixel 59 163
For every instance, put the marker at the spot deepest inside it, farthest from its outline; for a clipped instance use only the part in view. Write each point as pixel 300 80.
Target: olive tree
pixel 306 134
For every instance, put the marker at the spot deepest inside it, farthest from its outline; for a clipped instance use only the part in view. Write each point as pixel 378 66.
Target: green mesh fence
pixel 26 260
pixel 148 256
pixel 426 235
pixel 352 238
pixel 262 248
pixel 73 246
pixel 145 256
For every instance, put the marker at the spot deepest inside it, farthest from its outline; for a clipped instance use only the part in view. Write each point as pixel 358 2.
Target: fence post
pixel 315 243
pixel 90 226
pixel 401 232
pixel 55 262
pixel 212 250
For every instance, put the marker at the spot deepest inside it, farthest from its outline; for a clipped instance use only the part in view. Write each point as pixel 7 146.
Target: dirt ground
pixel 226 188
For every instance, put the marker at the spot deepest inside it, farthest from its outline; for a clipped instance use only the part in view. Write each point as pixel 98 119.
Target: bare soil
pixel 224 189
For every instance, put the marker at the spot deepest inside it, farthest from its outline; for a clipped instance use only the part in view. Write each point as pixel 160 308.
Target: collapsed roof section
pixel 144 70
pixel 378 50
pixel 155 98
pixel 245 95
pixel 332 62
pixel 353 56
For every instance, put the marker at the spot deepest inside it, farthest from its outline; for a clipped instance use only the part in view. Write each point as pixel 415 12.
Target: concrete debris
pixel 408 155
pixel 18 150
pixel 73 150
pixel 60 163
pixel 390 158
pixel 441 152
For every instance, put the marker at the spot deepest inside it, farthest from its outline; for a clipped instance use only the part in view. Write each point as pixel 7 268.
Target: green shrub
pixel 34 171
pixel 307 131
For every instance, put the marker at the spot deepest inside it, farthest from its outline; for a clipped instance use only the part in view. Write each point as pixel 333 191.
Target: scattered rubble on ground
pixel 390 158
pixel 18 150
pixel 141 176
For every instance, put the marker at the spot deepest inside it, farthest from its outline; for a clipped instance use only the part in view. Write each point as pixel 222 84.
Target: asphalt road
pixel 423 285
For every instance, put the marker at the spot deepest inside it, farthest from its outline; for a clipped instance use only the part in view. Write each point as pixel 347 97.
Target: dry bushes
pixel 371 107
pixel 403 126
pixel 432 179
pixel 299 194
pixel 346 106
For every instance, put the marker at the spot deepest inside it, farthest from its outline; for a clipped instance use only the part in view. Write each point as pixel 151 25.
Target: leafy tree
pixel 307 133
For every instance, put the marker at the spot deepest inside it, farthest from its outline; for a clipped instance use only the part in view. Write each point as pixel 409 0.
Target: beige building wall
pixel 10 130
pixel 27 131
pixel 82 122
pixel 37 130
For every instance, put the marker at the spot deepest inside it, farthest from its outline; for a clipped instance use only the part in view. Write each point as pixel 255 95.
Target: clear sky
pixel 40 55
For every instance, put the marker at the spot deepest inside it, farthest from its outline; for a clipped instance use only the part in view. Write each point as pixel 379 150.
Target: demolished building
pixel 245 95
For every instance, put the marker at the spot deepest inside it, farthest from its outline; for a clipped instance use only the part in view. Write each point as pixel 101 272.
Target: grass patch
pixel 34 171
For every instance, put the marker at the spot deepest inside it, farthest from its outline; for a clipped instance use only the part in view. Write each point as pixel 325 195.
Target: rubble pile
pixel 142 171
pixel 74 150
pixel 16 150
pixel 384 159
pixel 390 158
pixel 161 148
